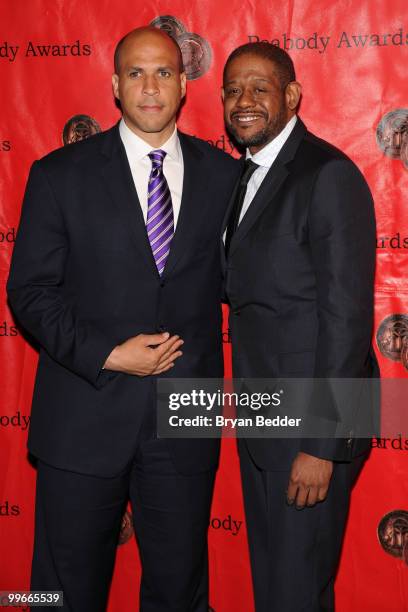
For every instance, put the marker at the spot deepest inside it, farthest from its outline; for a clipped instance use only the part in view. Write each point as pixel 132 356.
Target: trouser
pixel 77 525
pixel 294 553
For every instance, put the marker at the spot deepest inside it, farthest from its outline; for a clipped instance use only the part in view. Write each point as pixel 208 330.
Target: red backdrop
pixel 351 57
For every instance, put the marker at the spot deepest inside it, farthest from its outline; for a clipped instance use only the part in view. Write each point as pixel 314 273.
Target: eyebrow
pixel 255 78
pixel 158 68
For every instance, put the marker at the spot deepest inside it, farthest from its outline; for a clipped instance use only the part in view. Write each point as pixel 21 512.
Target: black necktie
pixel 233 220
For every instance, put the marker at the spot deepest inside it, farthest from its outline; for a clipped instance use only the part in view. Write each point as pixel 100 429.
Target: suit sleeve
pixel 342 236
pixel 35 287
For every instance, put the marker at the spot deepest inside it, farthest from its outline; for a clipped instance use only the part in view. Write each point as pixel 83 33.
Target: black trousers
pixel 294 553
pixel 77 525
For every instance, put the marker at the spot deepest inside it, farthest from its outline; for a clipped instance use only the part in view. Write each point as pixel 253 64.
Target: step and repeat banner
pixel 351 57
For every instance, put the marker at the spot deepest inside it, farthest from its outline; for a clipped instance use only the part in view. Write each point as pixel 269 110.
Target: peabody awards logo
pixel 126 529
pixel 393 534
pixel 79 127
pixel 392 135
pixel 392 338
pixel 196 51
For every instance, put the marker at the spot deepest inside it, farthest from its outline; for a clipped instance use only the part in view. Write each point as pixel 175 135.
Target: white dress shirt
pixel 137 151
pixel 265 158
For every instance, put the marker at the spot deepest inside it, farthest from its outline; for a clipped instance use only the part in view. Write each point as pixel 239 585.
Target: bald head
pixel 147 35
pixel 149 83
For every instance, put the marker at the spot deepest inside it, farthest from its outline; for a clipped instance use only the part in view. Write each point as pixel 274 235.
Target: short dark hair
pixel 280 59
pixel 116 55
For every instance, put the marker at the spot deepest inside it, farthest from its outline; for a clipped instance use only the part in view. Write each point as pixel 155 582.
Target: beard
pixel 264 135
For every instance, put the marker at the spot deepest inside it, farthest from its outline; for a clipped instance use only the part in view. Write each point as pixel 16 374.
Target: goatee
pixel 263 136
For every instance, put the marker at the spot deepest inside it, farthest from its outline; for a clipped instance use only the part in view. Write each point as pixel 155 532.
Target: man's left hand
pixel 309 480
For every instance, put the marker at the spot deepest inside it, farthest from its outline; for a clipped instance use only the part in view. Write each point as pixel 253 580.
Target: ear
pixel 292 95
pixel 222 94
pixel 183 83
pixel 115 85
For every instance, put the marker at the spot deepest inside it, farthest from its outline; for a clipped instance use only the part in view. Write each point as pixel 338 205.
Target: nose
pixel 150 86
pixel 246 99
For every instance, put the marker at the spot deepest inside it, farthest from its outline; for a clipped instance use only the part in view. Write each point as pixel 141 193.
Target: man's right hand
pixel 145 354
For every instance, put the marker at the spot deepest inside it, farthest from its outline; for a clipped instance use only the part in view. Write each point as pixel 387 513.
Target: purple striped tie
pixel 160 219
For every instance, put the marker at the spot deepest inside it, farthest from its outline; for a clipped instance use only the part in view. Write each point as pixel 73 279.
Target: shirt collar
pixel 267 155
pixel 140 149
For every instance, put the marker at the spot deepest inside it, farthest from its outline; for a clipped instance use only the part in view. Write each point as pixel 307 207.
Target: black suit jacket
pixel 299 280
pixel 83 279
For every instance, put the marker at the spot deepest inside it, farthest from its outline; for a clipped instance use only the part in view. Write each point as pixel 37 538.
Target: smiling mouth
pixel 246 119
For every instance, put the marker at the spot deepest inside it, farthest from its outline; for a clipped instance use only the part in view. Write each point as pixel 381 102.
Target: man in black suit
pixel 116 266
pixel 300 250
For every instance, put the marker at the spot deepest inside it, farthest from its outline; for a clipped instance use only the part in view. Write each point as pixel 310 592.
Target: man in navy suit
pixel 117 277
pixel 300 259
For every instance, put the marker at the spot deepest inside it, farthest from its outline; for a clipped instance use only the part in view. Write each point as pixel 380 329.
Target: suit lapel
pixel 263 197
pixel 271 184
pixel 233 197
pixel 117 176
pixel 228 213
pixel 118 179
pixel 193 202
